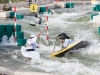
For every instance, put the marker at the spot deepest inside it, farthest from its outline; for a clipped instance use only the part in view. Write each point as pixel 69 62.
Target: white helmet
pixel 32 35
pixel 38 16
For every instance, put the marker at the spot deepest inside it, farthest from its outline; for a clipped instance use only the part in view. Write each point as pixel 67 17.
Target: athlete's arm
pixel 39 34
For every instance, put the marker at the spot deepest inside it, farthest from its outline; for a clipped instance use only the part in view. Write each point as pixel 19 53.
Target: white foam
pixel 6 42
pixel 72 65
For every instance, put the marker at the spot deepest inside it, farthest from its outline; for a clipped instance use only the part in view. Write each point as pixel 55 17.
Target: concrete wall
pixel 21 4
pixel 1 6
pixel 24 11
pixel 24 4
pixel 3 15
pixel 74 1
pixel 96 21
pixel 61 4
pixel 50 6
pixel 42 2
pixel 96 2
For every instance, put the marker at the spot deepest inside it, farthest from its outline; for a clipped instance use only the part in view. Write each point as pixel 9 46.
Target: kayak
pixel 74 46
pixel 29 54
pixel 32 24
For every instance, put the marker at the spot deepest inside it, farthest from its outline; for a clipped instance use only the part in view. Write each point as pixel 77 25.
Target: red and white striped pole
pixel 83 3
pixel 15 37
pixel 47 36
pixel 70 5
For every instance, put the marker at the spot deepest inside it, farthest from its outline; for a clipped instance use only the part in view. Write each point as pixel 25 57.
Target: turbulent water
pixel 85 61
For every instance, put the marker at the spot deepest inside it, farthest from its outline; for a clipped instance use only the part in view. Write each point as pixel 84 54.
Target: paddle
pixel 55 44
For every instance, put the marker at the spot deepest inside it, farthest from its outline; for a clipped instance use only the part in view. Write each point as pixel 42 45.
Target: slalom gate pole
pixel 70 6
pixel 15 37
pixel 83 4
pixel 47 35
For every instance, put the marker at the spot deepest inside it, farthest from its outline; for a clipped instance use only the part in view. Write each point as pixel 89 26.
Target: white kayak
pixel 30 54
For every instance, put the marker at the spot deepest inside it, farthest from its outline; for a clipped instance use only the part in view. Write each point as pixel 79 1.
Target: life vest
pixel 30 44
pixel 39 21
pixel 34 46
pixel 66 43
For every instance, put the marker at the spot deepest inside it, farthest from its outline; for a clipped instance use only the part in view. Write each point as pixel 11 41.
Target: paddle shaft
pixel 54 45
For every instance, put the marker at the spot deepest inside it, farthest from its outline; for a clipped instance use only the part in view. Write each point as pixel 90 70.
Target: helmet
pixel 64 35
pixel 61 37
pixel 38 16
pixel 32 35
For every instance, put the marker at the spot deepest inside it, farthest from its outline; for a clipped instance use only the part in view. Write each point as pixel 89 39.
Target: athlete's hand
pixel 41 31
pixel 37 47
pixel 57 35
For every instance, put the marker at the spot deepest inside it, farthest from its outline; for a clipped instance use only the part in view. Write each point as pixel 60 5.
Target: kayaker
pixel 36 15
pixel 64 39
pixel 39 20
pixel 31 43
